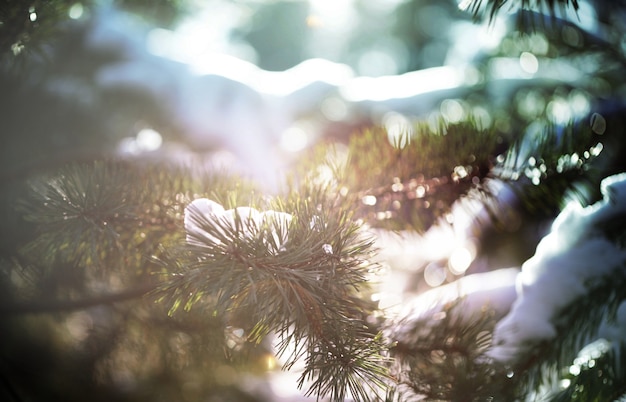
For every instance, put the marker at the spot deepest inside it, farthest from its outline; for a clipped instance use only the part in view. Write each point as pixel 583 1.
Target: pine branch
pixel 26 25
pixel 412 186
pixel 104 211
pixel 299 281
pixel 348 369
pixel 54 306
pixel 550 164
pixel 490 8
pixel 98 223
pixel 597 374
pixel 577 326
pixel 81 211
pixel 442 357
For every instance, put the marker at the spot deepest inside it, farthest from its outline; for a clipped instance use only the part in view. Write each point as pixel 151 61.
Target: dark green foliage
pixel 600 374
pixel 577 327
pixel 441 357
pixel 83 204
pixel 75 299
pixel 28 26
pixel 107 217
pixel 31 27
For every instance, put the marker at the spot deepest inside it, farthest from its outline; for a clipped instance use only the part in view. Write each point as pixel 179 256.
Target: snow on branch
pixel 573 258
pixel 208 221
pixel 297 278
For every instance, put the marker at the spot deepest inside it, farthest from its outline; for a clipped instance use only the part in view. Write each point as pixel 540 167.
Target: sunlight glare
pixel 309 72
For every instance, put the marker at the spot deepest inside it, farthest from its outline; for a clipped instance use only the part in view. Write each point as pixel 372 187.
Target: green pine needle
pixel 550 164
pixel 346 369
pixel 442 357
pixel 412 186
pixel 489 9
pixel 304 291
pixel 577 327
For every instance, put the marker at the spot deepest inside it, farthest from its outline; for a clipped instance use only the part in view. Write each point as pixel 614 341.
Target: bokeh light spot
pixel 146 140
pixel 460 260
pixel 76 11
pixel 149 140
pixel 529 62
pixel 334 108
pixel 539 44
pixel 559 111
pixel 369 200
pixel 434 274
pixel 399 129
pixel 452 110
pixel 32 15
pixel 294 139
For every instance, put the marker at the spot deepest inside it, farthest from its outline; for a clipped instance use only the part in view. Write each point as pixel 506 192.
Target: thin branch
pixel 54 306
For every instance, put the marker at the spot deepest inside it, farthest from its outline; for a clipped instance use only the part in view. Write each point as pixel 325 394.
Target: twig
pixel 52 306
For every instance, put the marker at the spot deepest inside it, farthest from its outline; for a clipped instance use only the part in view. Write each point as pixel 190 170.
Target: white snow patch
pixel 563 269
pixel 207 222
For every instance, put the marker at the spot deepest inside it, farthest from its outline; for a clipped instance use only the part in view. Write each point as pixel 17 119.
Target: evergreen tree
pixel 138 278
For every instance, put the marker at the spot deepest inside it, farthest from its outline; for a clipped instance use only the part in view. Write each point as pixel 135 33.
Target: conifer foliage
pixel 141 279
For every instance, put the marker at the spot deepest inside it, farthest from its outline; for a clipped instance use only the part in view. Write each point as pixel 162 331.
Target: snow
pixel 199 211
pixel 566 265
pixel 204 217
pixel 493 290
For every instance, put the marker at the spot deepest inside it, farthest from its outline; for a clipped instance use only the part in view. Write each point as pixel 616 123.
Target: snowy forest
pixel 312 200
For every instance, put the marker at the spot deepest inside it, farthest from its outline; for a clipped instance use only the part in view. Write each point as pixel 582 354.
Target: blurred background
pixel 144 76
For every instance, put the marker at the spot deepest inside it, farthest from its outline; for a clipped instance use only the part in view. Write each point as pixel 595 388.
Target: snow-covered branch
pixel 568 263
